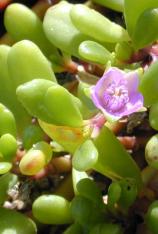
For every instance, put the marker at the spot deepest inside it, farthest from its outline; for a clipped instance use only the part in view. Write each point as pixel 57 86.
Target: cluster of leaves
pixel 71 38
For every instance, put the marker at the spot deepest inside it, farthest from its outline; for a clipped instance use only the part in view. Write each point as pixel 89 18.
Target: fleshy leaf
pixel 8 147
pixel 31 64
pixel 7 92
pixel 16 16
pixel 116 5
pixel 31 95
pixel 113 159
pixel 60 104
pixel 133 9
pixel 52 209
pixel 88 188
pixel 15 222
pixel 68 137
pixel 85 156
pixel 147 22
pixel 94 52
pixel 76 177
pixel 7 121
pixel 60 30
pixel 7 181
pixel 153 113
pixel 149 83
pixel 85 20
pixel 5 167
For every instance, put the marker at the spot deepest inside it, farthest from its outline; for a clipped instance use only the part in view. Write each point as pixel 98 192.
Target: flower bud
pixel 35 159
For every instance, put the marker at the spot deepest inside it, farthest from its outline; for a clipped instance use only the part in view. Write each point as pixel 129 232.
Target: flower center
pixel 115 97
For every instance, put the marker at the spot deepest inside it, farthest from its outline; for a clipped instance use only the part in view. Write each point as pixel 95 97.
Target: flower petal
pixel 118 87
pixel 134 104
pixel 132 82
pixel 110 117
pixel 112 75
pixel 95 98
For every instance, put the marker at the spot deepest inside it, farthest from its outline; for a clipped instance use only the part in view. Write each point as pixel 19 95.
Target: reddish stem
pixel 133 142
pixel 4 3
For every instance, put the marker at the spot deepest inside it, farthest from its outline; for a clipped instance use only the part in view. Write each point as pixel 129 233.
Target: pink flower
pixel 116 94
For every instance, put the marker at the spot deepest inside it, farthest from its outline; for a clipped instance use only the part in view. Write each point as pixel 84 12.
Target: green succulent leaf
pixel 13 222
pixel 149 83
pixel 58 100
pixel 153 113
pixel 26 62
pixel 152 216
pixel 31 135
pixel 133 9
pixel 47 100
pixel 60 30
pixel 104 30
pixel 7 181
pixel 8 147
pixel 69 138
pixel 113 160
pixel 16 16
pixel 114 194
pixel 7 121
pixel 85 156
pixel 107 228
pixel 129 192
pixel 151 150
pixel 123 51
pixel 84 211
pixel 86 187
pixel 7 92
pixel 116 5
pixel 52 209
pixel 74 228
pixel 31 95
pixel 147 22
pixel 94 52
pixel 5 167
pixel 76 177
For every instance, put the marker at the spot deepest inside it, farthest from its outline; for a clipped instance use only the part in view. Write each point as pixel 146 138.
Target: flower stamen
pixel 115 97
